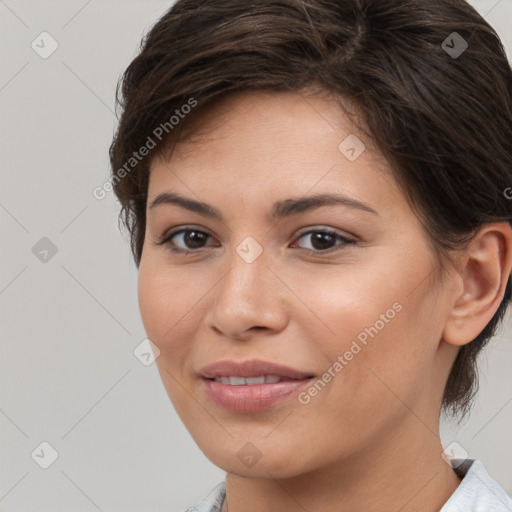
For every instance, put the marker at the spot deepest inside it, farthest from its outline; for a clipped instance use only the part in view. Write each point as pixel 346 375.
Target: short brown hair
pixel 440 112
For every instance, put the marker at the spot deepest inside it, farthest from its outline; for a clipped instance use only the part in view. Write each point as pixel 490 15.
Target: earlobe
pixel 484 272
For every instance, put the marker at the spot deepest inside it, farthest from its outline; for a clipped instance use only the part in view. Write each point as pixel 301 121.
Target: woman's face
pixel 340 291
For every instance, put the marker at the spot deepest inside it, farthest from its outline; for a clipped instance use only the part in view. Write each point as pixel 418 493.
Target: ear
pixel 484 269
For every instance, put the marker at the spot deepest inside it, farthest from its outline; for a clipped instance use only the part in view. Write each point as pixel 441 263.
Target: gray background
pixel 70 324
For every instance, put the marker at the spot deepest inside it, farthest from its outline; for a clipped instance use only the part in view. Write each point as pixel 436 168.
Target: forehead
pixel 280 120
pixel 261 143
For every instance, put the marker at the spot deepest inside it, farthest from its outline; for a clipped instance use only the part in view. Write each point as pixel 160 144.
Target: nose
pixel 248 300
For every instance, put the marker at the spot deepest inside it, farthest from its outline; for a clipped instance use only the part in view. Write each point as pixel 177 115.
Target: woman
pixel 316 193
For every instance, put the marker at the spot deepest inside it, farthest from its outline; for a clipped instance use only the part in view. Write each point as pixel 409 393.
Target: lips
pixel 251 386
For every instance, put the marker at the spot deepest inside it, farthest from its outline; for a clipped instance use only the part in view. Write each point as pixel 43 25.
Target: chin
pixel 248 459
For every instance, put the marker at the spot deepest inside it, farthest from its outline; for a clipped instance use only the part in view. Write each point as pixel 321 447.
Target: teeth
pixel 255 380
pixel 236 381
pixel 242 381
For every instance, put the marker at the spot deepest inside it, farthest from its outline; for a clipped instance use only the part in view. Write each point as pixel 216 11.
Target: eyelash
pixel 166 240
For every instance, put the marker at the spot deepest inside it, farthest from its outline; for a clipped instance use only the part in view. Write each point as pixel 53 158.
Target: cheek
pixel 166 305
pixel 166 300
pixel 348 306
pixel 373 336
pixel 393 369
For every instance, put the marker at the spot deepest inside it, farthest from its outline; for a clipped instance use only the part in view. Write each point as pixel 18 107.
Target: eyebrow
pixel 280 209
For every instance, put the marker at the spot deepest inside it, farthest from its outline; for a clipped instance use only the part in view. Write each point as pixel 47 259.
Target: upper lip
pixel 250 368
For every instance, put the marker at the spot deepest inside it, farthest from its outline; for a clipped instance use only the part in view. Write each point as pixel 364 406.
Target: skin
pixel 370 439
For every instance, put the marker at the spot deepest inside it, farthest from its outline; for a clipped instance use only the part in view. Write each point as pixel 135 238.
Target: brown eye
pixel 187 240
pixel 323 240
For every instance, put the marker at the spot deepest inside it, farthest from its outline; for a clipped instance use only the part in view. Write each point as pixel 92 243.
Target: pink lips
pixel 251 397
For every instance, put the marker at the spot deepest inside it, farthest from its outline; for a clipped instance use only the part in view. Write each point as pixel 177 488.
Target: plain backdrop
pixel 69 316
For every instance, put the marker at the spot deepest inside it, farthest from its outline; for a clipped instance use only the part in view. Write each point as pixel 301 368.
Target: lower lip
pixel 251 397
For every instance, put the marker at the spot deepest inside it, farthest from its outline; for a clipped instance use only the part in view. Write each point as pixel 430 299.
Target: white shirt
pixel 477 492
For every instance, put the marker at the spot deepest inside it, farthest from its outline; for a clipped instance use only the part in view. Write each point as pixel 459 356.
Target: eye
pixel 322 240
pixel 191 239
